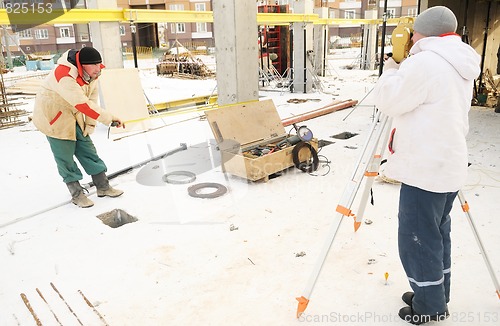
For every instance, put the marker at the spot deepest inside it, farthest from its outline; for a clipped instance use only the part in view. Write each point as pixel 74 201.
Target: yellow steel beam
pixel 284 18
pixel 394 21
pixel 171 16
pixel 342 21
pixel 192 101
pixel 82 16
pixel 59 16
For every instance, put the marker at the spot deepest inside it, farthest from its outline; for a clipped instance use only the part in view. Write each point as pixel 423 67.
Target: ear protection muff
pixel 304 166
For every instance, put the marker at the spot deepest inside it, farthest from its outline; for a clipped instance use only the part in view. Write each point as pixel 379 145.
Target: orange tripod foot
pixel 302 305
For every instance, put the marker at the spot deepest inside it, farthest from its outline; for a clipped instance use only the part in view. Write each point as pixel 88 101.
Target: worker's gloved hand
pixel 116 122
pixel 89 129
pixel 390 64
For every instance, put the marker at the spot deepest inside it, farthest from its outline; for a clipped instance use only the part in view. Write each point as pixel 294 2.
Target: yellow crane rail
pixel 83 16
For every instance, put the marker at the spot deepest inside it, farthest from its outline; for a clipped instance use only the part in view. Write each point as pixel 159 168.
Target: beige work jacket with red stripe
pixel 66 98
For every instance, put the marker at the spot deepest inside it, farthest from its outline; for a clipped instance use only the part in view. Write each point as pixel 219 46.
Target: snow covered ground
pixel 242 258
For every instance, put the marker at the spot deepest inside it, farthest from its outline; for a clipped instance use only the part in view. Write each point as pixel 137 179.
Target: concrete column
pixel 368 53
pixel 321 43
pixel 302 47
pixel 424 4
pixel 105 36
pixel 236 54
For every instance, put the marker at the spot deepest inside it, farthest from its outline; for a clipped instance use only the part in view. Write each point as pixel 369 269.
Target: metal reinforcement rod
pixel 93 308
pixel 65 302
pixel 113 175
pixel 33 313
pixel 382 46
pixel 48 305
pixel 110 176
pixel 335 106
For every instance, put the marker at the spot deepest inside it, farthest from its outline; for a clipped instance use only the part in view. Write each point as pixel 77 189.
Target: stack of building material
pixel 183 65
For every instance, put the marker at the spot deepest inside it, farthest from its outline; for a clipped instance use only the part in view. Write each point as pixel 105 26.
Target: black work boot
pixel 77 196
pixel 408 298
pixel 101 182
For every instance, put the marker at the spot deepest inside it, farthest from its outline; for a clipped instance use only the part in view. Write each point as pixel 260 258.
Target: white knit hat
pixel 436 21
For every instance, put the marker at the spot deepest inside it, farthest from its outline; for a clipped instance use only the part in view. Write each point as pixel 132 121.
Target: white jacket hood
pixel 452 49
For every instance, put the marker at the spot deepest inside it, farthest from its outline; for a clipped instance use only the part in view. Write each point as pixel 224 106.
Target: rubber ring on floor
pixel 194 190
pixel 170 177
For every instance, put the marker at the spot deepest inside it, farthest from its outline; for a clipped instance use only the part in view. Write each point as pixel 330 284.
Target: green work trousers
pixel 83 149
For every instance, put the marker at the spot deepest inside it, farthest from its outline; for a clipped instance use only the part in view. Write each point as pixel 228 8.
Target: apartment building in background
pixel 356 9
pixel 61 37
pixel 166 33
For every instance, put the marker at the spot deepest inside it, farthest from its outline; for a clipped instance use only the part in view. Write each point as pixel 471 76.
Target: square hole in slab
pixel 116 218
pixel 344 135
pixel 323 143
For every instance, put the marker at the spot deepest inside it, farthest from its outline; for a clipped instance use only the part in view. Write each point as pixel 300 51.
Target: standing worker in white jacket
pixel 428 96
pixel 66 111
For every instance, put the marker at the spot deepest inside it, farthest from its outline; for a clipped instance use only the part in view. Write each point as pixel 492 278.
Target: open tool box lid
pixel 249 124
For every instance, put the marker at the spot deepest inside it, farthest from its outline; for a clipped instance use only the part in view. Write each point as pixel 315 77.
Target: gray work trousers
pixel 425 246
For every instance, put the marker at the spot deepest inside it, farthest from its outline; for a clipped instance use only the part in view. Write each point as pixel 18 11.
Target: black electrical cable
pixel 305 166
pixel 326 163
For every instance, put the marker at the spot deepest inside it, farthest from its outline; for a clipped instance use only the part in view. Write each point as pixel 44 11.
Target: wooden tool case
pixel 241 129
